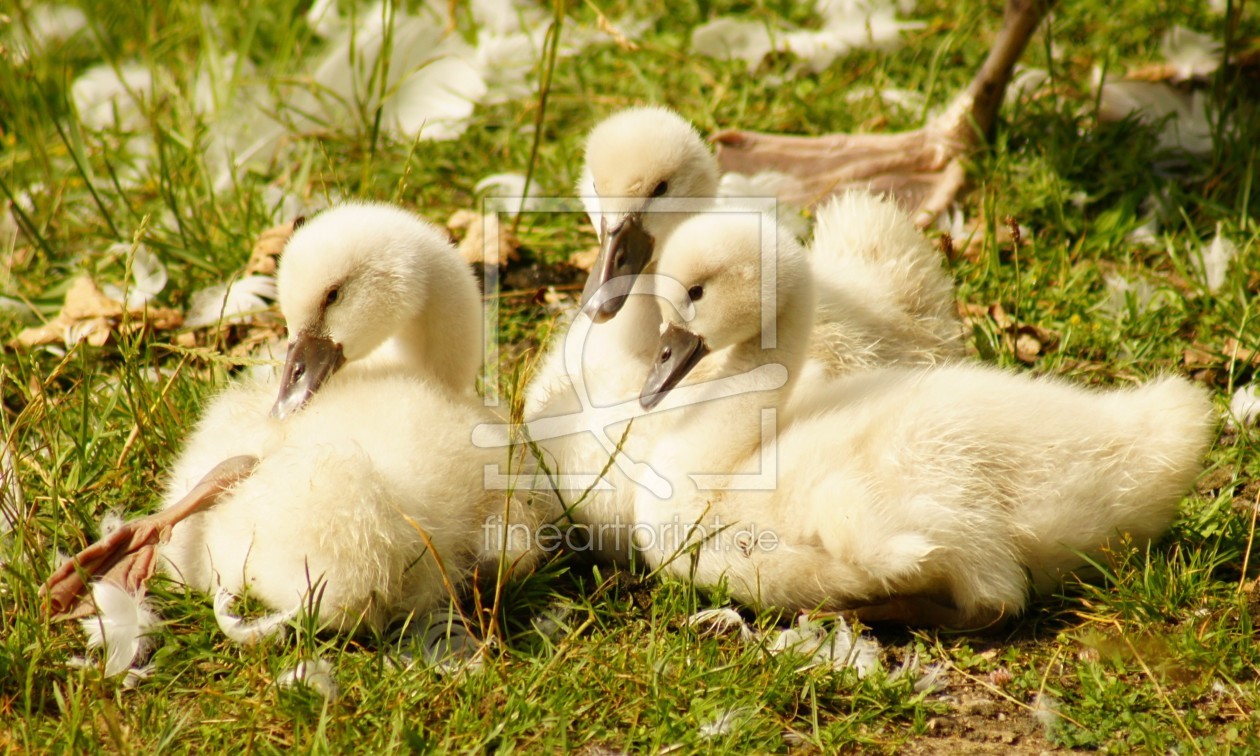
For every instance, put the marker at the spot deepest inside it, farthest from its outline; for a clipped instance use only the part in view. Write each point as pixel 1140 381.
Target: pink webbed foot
pixel 924 169
pixel 128 556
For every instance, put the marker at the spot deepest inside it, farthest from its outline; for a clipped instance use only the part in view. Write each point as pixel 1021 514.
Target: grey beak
pixel 625 251
pixel 312 360
pixel 678 351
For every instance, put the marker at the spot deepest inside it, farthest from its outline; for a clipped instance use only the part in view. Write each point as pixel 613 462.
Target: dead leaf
pixel 1028 341
pixel 89 315
pixel 1033 341
pixel 266 253
pixel 1196 358
pixel 475 226
pixel 1200 356
pixel 1236 352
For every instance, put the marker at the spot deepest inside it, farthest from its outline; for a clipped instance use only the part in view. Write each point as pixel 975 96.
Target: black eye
pixel 331 297
pixel 660 189
pixel 695 292
pixel 298 222
pixel 666 353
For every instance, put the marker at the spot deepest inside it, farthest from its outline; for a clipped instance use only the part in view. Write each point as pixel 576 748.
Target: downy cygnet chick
pixel 930 496
pixel 362 494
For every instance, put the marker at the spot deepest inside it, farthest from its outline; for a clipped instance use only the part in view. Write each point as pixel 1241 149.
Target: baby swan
pixel 912 495
pixel 368 503
pixel 637 162
pixel 883 296
pixel 885 299
pixel 373 285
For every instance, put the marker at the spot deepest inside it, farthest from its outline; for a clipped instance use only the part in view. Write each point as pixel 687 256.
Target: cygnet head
pixel 348 280
pixel 635 158
pixel 717 274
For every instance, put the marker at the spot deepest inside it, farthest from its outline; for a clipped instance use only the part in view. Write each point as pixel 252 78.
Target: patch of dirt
pixel 980 721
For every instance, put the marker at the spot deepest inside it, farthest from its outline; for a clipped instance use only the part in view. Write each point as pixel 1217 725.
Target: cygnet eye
pixel 660 189
pixel 332 296
pixel 695 292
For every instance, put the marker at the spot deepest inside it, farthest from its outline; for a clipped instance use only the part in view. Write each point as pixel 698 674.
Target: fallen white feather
pixel 816 49
pixel 1121 289
pixel 121 625
pixel 1191 54
pixel 1146 233
pixel 80 331
pixel 954 222
pixel 248 632
pixel 720 622
pixel 230 302
pixel 505 193
pixel 508 16
pixel 315 674
pixel 110 523
pixel 838 647
pixel 1183 115
pixel 927 679
pixel 552 622
pixel 1244 407
pixel 847 25
pixel 865 23
pixel 137 675
pixel 324 19
pixel 1213 261
pixel 505 62
pixel 52 24
pixel 436 101
pixel 105 97
pixel 433 78
pixel 725 722
pixel 732 38
pixel 1045 709
pixel 1025 83
pixel 907 100
pixel 148 276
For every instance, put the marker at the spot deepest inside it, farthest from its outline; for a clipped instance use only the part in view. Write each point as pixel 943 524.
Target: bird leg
pixel 923 169
pixel 128 556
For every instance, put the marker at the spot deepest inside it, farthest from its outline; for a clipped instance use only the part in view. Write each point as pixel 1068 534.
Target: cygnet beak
pixel 312 360
pixel 624 251
pixel 678 351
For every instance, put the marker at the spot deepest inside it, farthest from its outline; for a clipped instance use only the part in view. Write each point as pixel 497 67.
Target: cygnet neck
pixel 442 338
pixel 726 434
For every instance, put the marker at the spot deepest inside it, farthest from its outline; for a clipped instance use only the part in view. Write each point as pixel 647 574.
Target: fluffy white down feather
pixel 121 625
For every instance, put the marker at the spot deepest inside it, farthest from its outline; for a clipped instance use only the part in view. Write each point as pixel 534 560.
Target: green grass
pixel 1159 653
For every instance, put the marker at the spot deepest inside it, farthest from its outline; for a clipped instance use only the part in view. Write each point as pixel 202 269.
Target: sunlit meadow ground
pixel 1160 653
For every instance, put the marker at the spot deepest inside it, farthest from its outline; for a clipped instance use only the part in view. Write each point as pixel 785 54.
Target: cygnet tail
pixel 1151 442
pixel 884 296
pixel 1176 420
pixel 863 234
